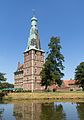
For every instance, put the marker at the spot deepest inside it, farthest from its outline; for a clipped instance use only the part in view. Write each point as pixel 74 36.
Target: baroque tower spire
pixel 27 76
pixel 33 40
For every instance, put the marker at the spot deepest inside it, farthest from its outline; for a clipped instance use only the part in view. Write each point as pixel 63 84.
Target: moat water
pixel 41 110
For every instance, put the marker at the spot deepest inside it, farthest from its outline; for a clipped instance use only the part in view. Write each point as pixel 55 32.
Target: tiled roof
pixel 68 82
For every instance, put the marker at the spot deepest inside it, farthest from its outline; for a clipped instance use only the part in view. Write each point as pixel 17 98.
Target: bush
pixel 26 91
pixel 19 90
pixel 71 89
pixel 48 90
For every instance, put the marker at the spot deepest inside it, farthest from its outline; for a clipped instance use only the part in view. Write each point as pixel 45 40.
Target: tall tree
pixel 79 74
pixel 52 69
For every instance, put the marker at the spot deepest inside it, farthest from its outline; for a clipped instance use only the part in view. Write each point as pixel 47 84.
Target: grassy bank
pixel 44 96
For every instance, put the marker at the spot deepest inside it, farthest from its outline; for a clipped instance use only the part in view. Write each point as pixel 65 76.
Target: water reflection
pixel 1 113
pixel 42 111
pixel 52 111
pixel 6 112
pixel 70 110
pixel 80 109
pixel 27 111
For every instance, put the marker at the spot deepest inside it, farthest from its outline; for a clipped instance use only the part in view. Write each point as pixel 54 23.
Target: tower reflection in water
pixel 42 110
pixel 27 111
pixel 38 111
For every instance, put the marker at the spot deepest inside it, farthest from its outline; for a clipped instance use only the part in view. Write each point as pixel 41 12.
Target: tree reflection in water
pixel 80 110
pixel 48 111
pixel 38 111
pixel 1 113
pixel 52 112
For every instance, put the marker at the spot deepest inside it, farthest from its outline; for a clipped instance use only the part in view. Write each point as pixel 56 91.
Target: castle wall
pixel 33 63
pixel 18 77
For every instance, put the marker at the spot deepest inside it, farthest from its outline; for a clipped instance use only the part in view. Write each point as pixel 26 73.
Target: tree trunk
pixel 83 88
pixel 46 87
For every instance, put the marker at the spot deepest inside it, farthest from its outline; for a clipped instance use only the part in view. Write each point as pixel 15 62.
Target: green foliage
pixel 46 75
pixel 2 78
pixel 79 74
pixel 3 83
pixel 6 85
pixel 51 71
pixel 19 89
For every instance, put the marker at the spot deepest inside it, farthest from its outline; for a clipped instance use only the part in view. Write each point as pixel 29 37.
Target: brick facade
pixel 27 75
pixel 18 76
pixel 33 63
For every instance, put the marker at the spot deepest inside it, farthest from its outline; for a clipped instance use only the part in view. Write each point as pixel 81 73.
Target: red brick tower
pixel 33 60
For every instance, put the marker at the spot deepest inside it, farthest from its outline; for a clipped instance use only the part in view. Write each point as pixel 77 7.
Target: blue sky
pixel 63 18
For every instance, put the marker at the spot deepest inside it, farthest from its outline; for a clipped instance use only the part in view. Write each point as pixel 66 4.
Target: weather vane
pixel 33 11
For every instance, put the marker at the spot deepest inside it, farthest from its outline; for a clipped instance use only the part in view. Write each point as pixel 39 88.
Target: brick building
pixel 27 75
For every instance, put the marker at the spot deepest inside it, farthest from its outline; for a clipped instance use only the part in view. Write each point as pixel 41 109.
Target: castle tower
pixel 33 59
